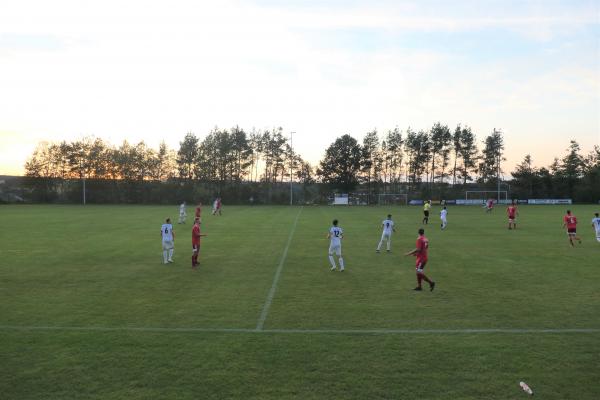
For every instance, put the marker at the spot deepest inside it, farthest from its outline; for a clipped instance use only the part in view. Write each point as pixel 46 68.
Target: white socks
pixel 341 260
pixel 332 262
pixel 171 254
pixel 165 256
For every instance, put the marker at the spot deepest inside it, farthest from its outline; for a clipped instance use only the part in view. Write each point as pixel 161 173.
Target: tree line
pixel 438 159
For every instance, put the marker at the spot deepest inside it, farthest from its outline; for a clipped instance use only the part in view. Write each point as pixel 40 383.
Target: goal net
pixel 392 199
pixel 481 196
pixel 340 200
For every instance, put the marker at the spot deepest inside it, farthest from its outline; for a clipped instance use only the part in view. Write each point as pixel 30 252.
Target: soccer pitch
pixel 88 310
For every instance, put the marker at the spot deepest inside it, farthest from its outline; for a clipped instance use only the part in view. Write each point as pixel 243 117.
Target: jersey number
pixel 336 233
pixel 166 231
pixel 387 224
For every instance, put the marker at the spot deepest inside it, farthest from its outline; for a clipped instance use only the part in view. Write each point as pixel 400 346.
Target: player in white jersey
pixel 335 235
pixel 168 241
pixel 388 228
pixel 182 213
pixel 443 217
pixel 596 225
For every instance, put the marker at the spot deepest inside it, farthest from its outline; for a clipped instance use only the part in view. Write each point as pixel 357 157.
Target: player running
pixel 444 217
pixel 421 253
pixel 182 214
pixel 512 213
pixel 388 228
pixel 335 235
pixel 168 241
pixel 196 242
pixel 596 225
pixel 570 221
pixel 426 208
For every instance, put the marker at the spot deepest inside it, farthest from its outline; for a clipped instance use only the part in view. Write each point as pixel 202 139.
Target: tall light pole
pixel 82 172
pixel 498 172
pixel 291 167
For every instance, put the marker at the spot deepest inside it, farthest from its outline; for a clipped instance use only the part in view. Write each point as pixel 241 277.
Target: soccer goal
pixel 392 199
pixel 481 196
pixel 340 200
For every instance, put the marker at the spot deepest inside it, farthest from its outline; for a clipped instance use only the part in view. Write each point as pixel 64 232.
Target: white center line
pixel 267 305
pixel 305 331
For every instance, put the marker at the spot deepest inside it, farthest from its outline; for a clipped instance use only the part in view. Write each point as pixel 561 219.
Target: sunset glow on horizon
pixel 154 70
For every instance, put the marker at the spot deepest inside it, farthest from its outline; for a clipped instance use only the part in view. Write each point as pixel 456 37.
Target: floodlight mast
pixel 498 170
pixel 291 168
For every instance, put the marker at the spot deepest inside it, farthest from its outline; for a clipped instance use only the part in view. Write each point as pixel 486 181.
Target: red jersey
pixel 422 246
pixel 571 221
pixel 490 203
pixel 196 235
pixel 198 212
pixel 512 212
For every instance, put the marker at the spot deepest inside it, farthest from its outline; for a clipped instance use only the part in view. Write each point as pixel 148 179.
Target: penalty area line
pixel 304 331
pixel 265 311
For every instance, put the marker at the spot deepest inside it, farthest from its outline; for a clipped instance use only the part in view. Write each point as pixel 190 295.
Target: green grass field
pixel 88 310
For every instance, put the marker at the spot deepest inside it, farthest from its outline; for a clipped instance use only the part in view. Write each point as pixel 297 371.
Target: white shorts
pixel 444 220
pixel 335 250
pixel 168 244
pixel 386 236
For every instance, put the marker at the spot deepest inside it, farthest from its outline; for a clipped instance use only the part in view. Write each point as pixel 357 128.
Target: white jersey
pixel 166 231
pixel 443 214
pixel 388 226
pixel 336 234
pixel 596 223
pixel 182 209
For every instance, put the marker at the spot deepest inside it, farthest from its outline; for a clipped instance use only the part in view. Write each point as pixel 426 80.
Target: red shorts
pixel 572 231
pixel 195 247
pixel 420 266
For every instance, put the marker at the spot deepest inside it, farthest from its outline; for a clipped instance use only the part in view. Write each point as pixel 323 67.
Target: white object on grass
pixel 526 388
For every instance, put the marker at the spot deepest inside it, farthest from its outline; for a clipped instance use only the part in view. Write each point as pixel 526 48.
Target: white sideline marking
pixel 265 310
pixel 302 331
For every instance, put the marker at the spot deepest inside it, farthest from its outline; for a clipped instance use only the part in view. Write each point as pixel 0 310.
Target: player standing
pixel 168 241
pixel 335 235
pixel 182 214
pixel 198 214
pixel 421 253
pixel 443 217
pixel 388 228
pixel 596 225
pixel 512 213
pixel 217 206
pixel 426 208
pixel 570 221
pixel 490 206
pixel 196 242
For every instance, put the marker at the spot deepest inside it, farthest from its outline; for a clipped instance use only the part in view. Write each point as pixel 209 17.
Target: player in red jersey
pixel 199 210
pixel 570 221
pixel 512 213
pixel 489 206
pixel 421 253
pixel 196 242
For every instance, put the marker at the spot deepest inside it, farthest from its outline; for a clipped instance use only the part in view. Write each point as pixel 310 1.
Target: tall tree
pixel 524 177
pixel 187 156
pixel 440 137
pixel 571 167
pixel 417 147
pixel 370 167
pixel 490 166
pixel 341 164
pixel 468 154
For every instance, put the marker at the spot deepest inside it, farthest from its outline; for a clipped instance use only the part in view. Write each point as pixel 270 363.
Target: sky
pixel 153 70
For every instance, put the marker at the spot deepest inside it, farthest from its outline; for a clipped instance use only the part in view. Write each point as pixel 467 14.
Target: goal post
pixel 396 199
pixel 481 196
